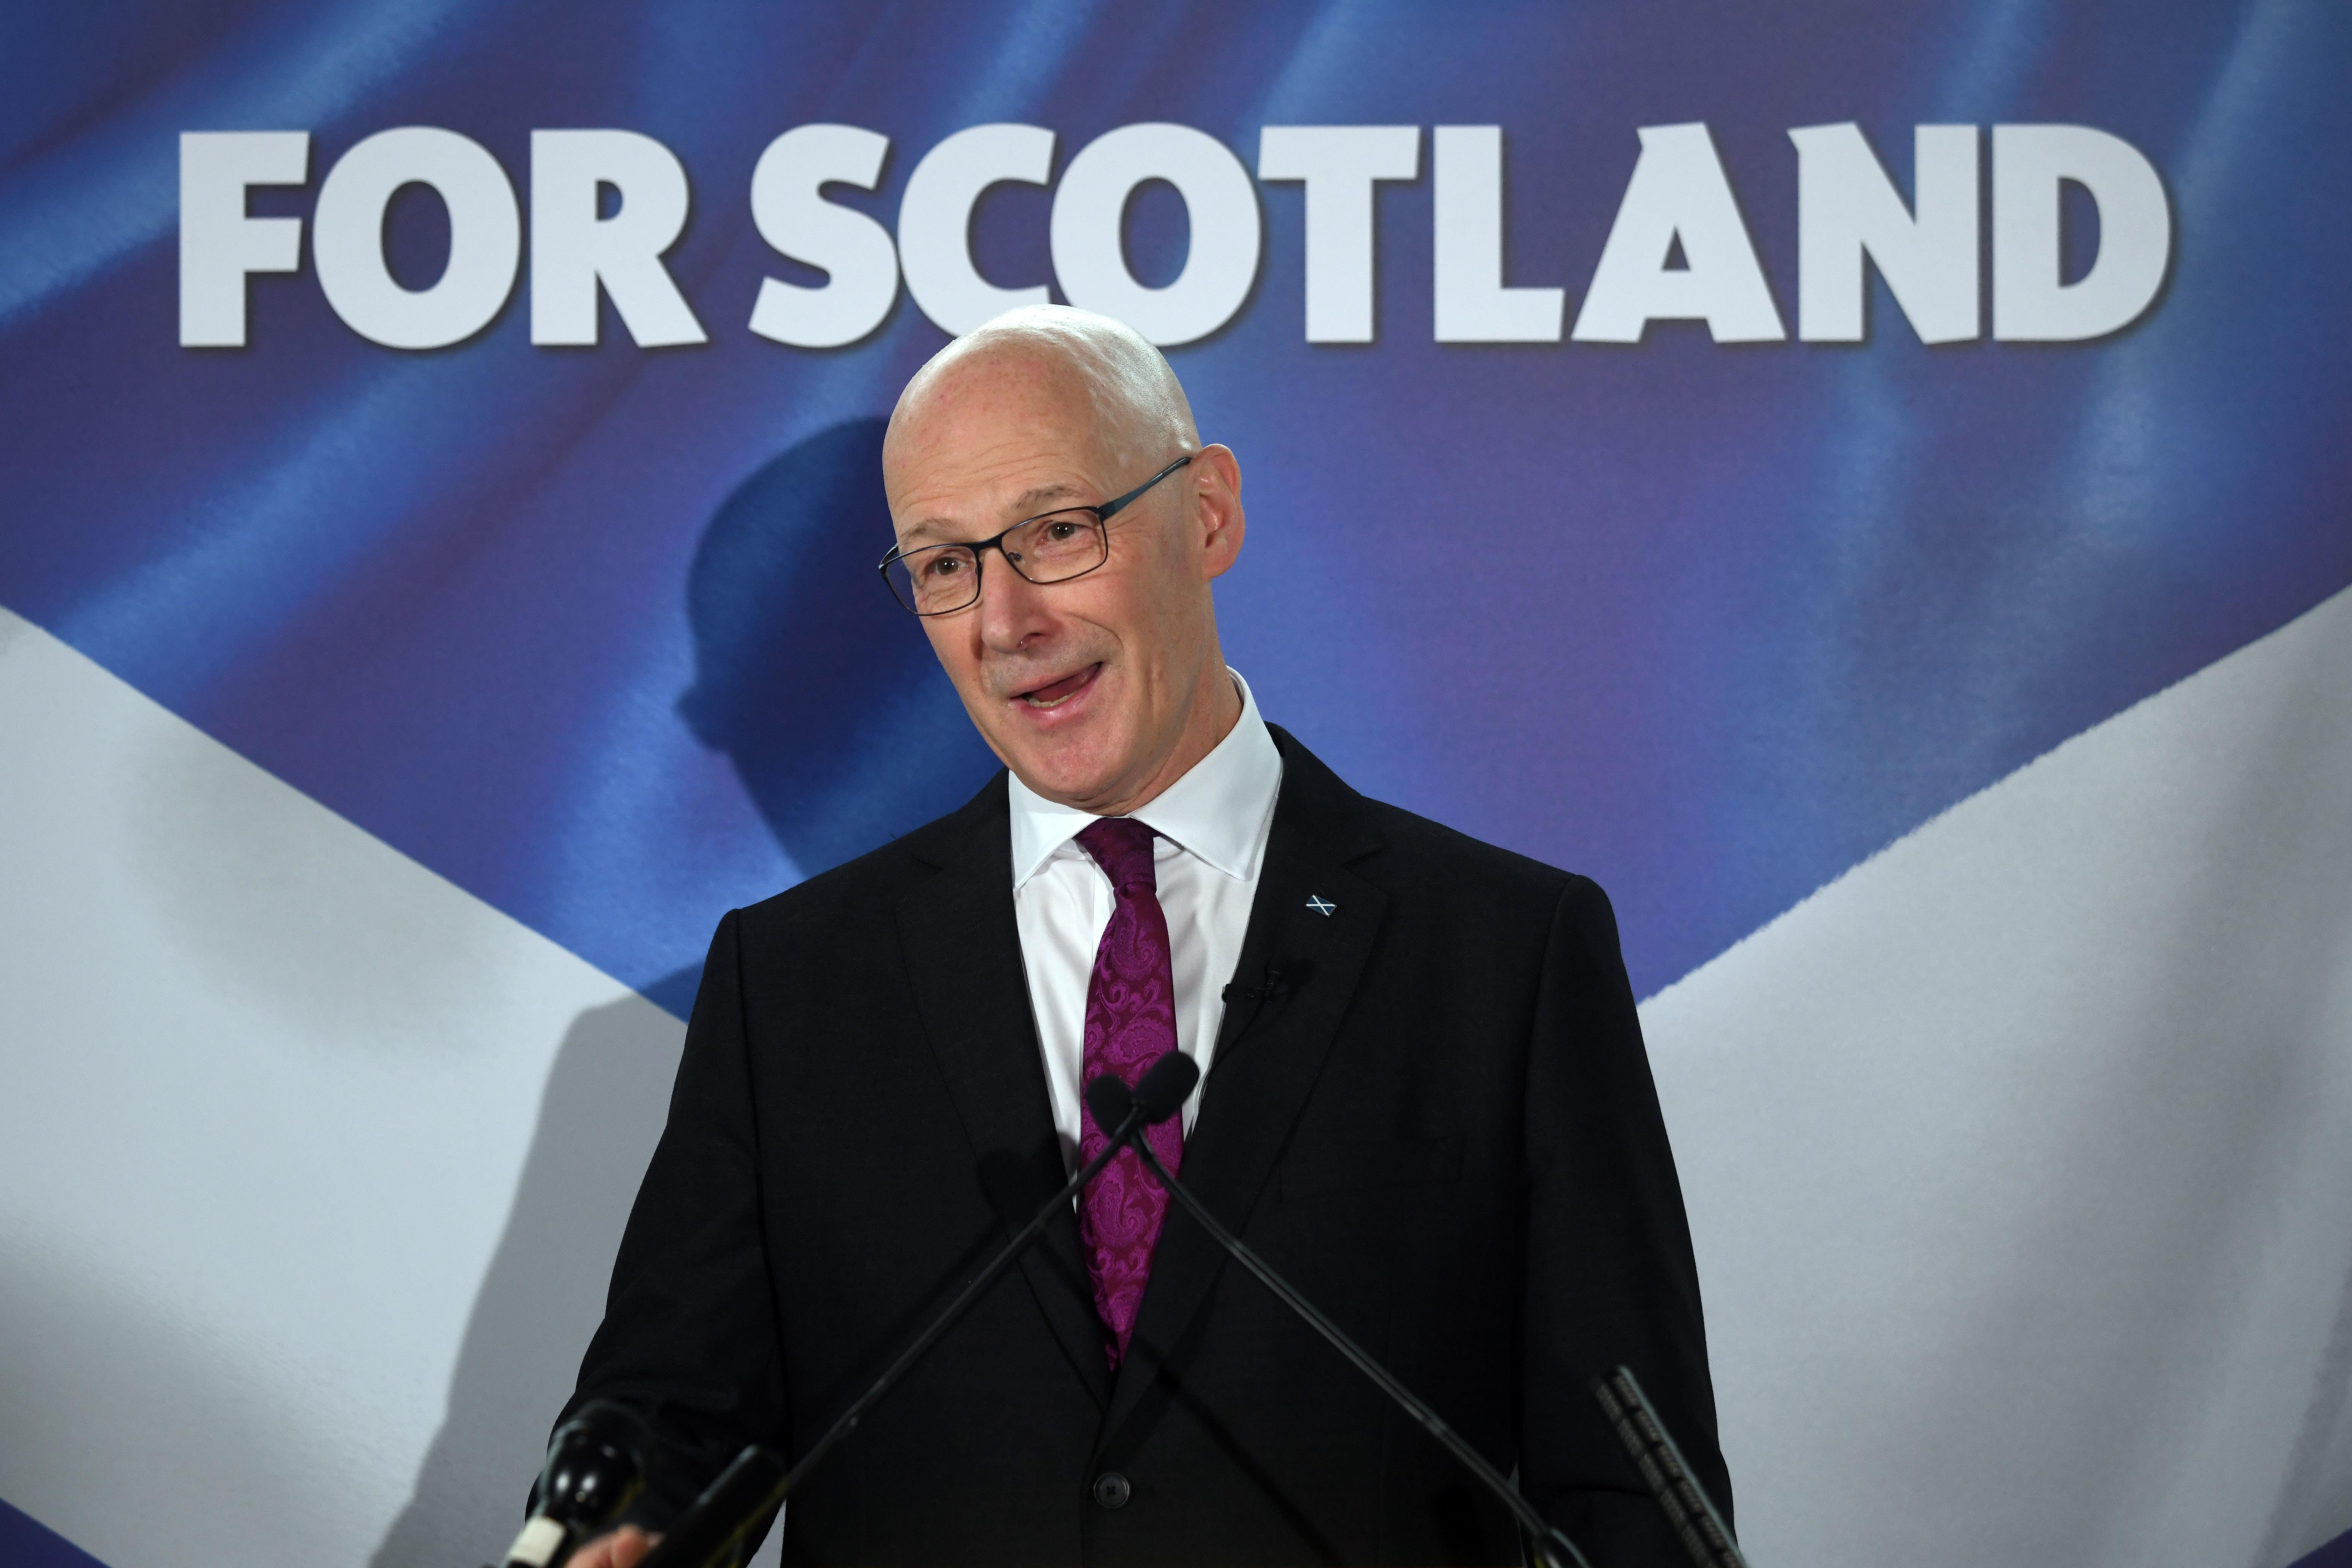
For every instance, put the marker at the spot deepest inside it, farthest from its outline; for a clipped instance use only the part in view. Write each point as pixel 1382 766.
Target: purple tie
pixel 1130 1023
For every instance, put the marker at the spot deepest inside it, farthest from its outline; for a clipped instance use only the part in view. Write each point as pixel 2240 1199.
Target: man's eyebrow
pixel 929 527
pixel 1027 504
pixel 1036 496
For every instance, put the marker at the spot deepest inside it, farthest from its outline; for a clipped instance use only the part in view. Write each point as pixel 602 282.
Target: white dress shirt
pixel 1212 825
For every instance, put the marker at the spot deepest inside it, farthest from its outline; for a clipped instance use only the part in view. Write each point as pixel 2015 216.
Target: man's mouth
pixel 1056 693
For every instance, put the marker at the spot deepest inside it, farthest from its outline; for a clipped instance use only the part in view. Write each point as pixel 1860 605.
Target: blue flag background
pixel 593 633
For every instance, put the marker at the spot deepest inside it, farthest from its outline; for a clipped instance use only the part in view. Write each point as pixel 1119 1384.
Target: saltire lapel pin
pixel 1320 905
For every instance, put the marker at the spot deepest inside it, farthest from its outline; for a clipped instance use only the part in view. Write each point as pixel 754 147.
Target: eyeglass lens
pixel 1048 549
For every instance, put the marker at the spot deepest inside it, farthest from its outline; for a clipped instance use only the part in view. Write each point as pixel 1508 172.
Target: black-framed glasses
pixel 1051 547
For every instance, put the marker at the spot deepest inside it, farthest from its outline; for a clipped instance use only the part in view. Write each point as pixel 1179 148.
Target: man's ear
pixel 1214 476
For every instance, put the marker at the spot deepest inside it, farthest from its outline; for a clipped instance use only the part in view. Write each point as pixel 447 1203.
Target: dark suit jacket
pixel 1440 1125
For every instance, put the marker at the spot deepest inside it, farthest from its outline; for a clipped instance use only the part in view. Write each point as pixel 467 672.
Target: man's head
pixel 1101 690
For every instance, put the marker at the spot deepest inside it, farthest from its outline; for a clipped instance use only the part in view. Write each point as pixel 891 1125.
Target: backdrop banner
pixel 1868 485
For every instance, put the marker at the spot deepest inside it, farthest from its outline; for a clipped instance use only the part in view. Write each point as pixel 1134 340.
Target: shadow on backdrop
pixel 821 689
pixel 846 733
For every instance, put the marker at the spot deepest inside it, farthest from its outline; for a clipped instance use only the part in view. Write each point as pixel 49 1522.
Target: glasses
pixel 1054 547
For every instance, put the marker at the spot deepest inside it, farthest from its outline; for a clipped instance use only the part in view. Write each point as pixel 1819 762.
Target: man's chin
pixel 1071 774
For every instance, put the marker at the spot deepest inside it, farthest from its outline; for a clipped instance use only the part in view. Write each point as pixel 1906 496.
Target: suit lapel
pixel 1269 1052
pixel 963 949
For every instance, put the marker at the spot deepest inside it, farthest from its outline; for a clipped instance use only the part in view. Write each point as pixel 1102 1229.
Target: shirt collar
pixel 1217 811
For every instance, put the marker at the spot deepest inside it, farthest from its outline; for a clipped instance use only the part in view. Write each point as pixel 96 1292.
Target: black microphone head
pixel 1160 1092
pixel 595 1468
pixel 1109 1098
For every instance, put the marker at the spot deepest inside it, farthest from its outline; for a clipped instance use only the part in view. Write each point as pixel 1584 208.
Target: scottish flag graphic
pixel 1869 486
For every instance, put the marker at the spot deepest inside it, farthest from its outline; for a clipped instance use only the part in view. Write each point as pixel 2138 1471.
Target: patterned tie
pixel 1130 1023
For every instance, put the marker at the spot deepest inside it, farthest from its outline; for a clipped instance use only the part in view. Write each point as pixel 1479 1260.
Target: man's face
pixel 1086 688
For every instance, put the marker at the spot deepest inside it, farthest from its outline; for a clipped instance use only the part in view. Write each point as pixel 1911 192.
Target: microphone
pixel 1157 1095
pixel 1106 1098
pixel 1686 1506
pixel 706 1533
pixel 595 1468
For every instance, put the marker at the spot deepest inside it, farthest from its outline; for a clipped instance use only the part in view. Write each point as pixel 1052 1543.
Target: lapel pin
pixel 1320 905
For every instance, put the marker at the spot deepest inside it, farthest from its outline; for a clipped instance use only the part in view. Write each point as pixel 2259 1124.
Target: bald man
pixel 1425 1095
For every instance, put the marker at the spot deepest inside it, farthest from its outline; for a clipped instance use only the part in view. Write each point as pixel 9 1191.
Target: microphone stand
pixel 758 1481
pixel 1679 1496
pixel 1551 1548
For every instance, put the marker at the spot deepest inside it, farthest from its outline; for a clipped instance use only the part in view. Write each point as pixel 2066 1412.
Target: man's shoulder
pixel 1430 841
pixel 1450 886
pixel 873 884
pixel 1419 850
pixel 1427 858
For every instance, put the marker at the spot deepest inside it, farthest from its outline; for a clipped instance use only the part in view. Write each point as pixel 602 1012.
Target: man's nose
pixel 1012 609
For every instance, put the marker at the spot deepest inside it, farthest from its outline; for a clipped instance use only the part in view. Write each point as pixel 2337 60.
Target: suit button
pixel 1111 1490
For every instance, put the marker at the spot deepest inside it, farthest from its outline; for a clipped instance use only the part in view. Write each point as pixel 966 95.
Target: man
pixel 1426 1098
